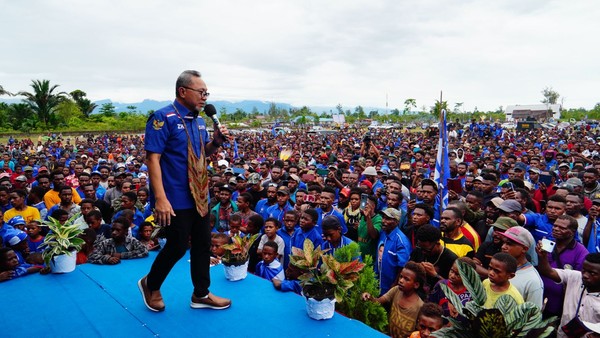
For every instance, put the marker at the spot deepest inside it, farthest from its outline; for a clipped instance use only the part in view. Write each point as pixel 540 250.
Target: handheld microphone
pixel 211 112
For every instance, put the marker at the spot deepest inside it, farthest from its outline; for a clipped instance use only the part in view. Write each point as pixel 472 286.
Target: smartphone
pixel 509 185
pixel 548 245
pixel 546 179
pixel 322 172
pixel 364 198
pixel 455 185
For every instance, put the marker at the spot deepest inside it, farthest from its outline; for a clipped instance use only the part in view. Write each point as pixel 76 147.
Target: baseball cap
pixel 283 190
pixel 14 237
pixel 120 165
pixel 510 206
pixel 575 182
pixel 370 171
pixel 520 166
pixel 505 223
pixel 240 177
pixel 21 178
pixel 295 178
pixel 228 171
pixel 478 178
pixel 120 173
pixel 496 201
pixel 4 176
pixel 345 192
pixel 564 165
pixel 43 168
pixel 233 180
pixel 28 168
pixel 367 183
pixel 519 235
pixel 97 173
pixel 565 186
pixel 16 221
pixel 227 187
pixel 392 213
pixel 535 170
pixel 254 178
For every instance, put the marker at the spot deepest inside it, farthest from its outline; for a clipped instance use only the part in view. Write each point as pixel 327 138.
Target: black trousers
pixel 185 226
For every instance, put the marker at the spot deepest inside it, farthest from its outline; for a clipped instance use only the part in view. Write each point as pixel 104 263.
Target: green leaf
pixel 490 323
pixel 472 282
pixel 472 309
pixel 453 298
pixel 505 304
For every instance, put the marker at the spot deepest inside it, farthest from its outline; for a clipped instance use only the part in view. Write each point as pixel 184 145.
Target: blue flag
pixel 235 149
pixel 442 171
pixel 273 131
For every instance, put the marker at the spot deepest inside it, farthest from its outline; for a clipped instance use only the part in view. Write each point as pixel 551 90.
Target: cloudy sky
pixel 318 53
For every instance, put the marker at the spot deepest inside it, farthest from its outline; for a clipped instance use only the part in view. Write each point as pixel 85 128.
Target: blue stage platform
pixel 104 301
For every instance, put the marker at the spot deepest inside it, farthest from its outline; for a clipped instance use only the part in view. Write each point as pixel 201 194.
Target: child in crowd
pixel 430 320
pixel 217 240
pixel 271 226
pixel 96 223
pixel 332 233
pixel 502 268
pixel 455 283
pixel 270 268
pixel 35 237
pixel 308 230
pixel 10 267
pixel 120 246
pixel 404 300
pixel 89 237
pixel 290 225
pixel 145 236
pixel 235 225
pixel 17 222
pixel 17 240
pixel 255 225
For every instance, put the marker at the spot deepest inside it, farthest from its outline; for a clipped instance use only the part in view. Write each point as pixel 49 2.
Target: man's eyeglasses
pixel 203 93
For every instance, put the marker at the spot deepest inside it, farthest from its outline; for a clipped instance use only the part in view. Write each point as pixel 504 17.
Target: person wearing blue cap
pixel 17 240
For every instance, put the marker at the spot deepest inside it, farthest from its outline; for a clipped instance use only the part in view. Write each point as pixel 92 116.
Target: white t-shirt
pixel 280 243
pixel 581 222
pixel 589 310
pixel 529 283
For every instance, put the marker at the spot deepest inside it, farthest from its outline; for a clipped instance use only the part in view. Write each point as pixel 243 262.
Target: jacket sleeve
pixel 135 250
pixel 98 256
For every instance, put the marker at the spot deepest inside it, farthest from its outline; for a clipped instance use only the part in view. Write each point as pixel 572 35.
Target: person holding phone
pixel 567 254
pixel 369 228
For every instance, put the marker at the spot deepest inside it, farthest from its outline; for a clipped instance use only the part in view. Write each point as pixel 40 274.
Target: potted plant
pixel 61 244
pixel 325 279
pixel 235 258
pixel 505 319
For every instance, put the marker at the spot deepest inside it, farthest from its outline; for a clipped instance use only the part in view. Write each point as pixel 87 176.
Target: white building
pixel 539 112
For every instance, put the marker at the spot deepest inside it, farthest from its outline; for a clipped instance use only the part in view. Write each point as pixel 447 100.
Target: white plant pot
pixel 63 263
pixel 236 272
pixel 320 309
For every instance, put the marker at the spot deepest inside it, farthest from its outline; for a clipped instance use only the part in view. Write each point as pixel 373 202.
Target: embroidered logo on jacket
pixel 157 125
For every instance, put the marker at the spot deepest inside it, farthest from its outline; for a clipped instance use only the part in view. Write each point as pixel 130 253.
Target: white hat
pixel 370 171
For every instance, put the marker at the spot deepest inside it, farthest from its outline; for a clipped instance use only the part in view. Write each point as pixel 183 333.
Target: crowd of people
pixel 523 210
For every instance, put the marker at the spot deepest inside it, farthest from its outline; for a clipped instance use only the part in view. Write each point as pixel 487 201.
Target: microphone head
pixel 210 110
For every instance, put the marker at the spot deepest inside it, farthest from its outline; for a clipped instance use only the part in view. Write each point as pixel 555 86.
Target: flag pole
pixel 440 127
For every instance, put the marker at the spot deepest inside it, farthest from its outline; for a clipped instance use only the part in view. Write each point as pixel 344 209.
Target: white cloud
pixel 484 54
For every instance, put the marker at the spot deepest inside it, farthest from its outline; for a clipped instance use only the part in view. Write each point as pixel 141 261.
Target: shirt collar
pixel 184 111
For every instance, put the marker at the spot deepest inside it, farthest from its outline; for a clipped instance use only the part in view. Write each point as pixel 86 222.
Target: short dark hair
pixel 274 220
pixel 557 198
pixel 257 220
pixel 431 310
pixel 272 244
pixel 123 221
pixel 573 224
pixel 510 263
pixel 593 258
pixel 330 223
pixel 428 210
pixel 428 233
pixel 235 218
pixel 131 195
pixel 313 214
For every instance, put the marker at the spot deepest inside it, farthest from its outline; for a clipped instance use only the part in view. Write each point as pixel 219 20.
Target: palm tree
pixel 85 105
pixel 43 100
pixel 4 92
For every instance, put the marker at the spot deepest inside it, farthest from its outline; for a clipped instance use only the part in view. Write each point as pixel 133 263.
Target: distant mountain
pixel 246 105
pixel 148 104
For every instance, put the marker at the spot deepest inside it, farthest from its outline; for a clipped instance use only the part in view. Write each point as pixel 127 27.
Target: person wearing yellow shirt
pixel 17 200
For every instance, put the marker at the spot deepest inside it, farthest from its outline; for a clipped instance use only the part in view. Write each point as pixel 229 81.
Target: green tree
pixel 340 109
pixel 360 112
pixel 67 111
pixel 550 96
pixel 409 104
pixel 18 113
pixel 238 115
pixel 108 109
pixel 458 107
pixel 132 109
pixel 85 105
pixel 395 112
pixel 436 110
pixel 43 100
